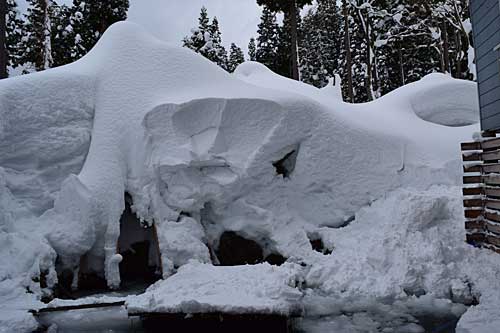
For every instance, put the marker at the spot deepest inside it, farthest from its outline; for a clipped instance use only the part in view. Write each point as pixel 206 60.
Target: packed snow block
pixel 45 125
pixel 70 225
pixel 443 100
pixel 202 288
pixel 180 242
pixel 203 146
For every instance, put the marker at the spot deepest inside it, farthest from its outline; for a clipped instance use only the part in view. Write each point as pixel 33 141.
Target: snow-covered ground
pixel 378 183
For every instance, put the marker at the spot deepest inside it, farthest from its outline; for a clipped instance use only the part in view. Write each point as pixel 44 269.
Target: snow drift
pixel 203 152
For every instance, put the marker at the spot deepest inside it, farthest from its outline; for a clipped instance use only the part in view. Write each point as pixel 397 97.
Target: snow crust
pixel 206 288
pixel 194 146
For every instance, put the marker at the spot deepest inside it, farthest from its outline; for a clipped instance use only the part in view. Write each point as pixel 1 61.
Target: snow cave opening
pixel 138 246
pixel 286 165
pixel 318 245
pixel 235 250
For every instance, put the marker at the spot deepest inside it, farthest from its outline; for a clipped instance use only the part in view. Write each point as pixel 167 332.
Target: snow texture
pixel 195 146
pixel 206 288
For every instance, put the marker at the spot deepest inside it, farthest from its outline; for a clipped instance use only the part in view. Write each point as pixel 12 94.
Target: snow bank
pixel 202 152
pixel 205 288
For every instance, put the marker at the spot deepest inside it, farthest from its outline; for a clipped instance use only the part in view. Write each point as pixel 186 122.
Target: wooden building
pixel 482 158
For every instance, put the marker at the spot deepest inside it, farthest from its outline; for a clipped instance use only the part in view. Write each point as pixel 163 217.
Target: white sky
pixel 171 20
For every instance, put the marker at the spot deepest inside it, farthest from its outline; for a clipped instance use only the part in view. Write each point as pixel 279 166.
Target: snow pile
pixel 446 101
pixel 202 152
pixel 205 288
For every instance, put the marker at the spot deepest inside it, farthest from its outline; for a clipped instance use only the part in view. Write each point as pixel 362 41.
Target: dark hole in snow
pixel 138 245
pixel 275 259
pixel 63 288
pixel 318 245
pixel 286 165
pixel 235 250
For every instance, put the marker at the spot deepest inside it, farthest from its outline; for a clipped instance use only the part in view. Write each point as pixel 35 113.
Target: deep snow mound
pixel 203 153
pixel 436 98
pixel 440 99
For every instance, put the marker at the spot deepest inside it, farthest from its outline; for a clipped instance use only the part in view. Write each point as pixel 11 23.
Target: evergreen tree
pixel 207 40
pixel 36 44
pixel 267 40
pixel 321 43
pixel 90 19
pixel 62 35
pixel 252 50
pixel 3 41
pixel 213 49
pixel 291 10
pixel 199 36
pixel 10 36
pixel 236 57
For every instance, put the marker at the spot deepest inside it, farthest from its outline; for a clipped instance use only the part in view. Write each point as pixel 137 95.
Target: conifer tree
pixel 36 44
pixel 3 39
pixel 10 36
pixel 291 10
pixel 213 49
pixel 320 44
pixel 62 35
pixel 90 19
pixel 236 57
pixel 252 50
pixel 199 36
pixel 207 40
pixel 267 40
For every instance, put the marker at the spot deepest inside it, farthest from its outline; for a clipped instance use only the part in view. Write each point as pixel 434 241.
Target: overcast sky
pixel 171 20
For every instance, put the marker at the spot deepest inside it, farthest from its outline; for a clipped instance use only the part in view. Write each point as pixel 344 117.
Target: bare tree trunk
pixel 368 77
pixel 3 39
pixel 446 49
pixel 347 46
pixel 458 39
pixel 294 38
pixel 401 63
pixel 47 32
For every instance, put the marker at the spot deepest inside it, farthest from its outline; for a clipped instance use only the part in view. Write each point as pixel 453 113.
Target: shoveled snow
pixel 206 288
pixel 194 146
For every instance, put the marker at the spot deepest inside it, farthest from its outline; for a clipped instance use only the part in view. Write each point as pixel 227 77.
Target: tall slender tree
pixel 37 43
pixel 236 57
pixel 347 50
pixel 268 40
pixel 3 39
pixel 320 43
pixel 206 40
pixel 252 50
pixel 290 8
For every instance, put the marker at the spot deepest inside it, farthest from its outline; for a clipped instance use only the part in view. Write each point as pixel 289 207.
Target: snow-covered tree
pixel 63 36
pixel 213 49
pixel 206 39
pixel 36 44
pixel 3 42
pixel 290 9
pixel 90 19
pixel 267 40
pixel 320 44
pixel 236 57
pixel 10 36
pixel 252 50
pixel 199 36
